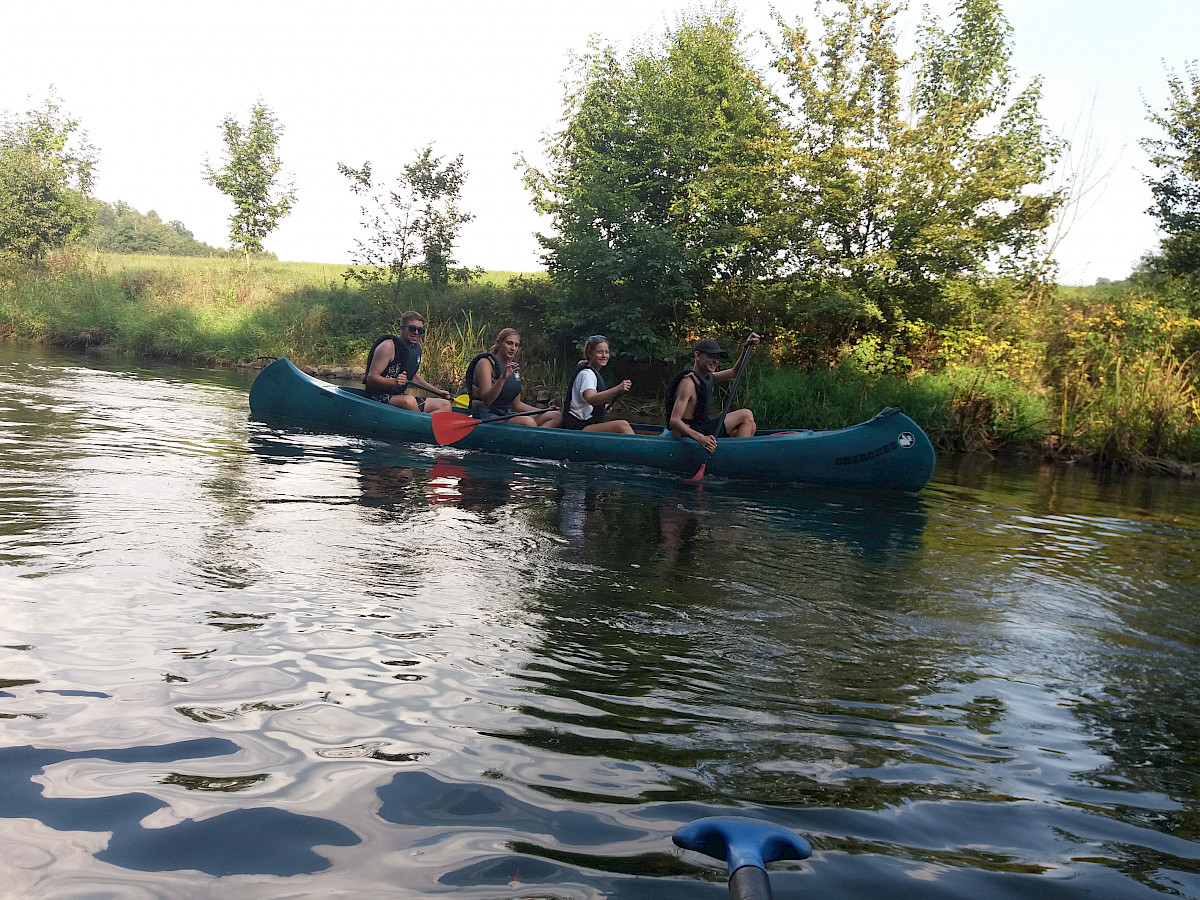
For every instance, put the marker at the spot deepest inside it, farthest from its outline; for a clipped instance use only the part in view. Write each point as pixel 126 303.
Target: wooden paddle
pixel 450 426
pixel 699 476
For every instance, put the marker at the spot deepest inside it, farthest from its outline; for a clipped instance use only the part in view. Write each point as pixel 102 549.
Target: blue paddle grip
pixel 741 841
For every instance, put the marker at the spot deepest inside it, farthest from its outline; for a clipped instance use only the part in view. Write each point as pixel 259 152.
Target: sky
pixel 377 80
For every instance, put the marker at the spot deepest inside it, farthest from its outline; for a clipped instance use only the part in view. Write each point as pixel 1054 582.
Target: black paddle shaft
pixel 732 391
pixel 750 883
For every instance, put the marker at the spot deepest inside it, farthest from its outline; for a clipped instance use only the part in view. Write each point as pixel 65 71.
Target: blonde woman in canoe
pixel 493 383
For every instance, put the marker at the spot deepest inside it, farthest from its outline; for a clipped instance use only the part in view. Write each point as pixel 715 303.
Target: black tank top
pixel 406 358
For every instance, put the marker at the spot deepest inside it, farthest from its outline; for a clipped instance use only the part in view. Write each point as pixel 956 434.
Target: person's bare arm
pixel 594 398
pixel 424 385
pixel 685 400
pixel 727 374
pixel 384 354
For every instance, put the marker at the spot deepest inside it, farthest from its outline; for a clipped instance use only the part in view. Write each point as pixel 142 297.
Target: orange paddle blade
pixel 449 426
pixel 699 476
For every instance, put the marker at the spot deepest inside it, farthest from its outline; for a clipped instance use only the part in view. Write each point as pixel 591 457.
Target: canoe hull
pixel 889 452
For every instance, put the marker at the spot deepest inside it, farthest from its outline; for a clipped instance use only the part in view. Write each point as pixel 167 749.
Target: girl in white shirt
pixel 588 396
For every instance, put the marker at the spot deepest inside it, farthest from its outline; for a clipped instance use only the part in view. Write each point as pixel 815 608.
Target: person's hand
pixel 753 340
pixel 625 386
pixel 511 368
pixel 402 379
pixel 708 442
pixel 446 395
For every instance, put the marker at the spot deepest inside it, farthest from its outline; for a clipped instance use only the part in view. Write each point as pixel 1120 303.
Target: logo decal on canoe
pixel 866 457
pixel 906 439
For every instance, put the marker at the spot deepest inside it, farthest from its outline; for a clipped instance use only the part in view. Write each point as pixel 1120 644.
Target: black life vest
pixel 704 392
pixel 598 409
pixel 502 405
pixel 406 358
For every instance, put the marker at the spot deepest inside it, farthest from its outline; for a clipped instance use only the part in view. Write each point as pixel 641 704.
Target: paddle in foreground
pixel 747 845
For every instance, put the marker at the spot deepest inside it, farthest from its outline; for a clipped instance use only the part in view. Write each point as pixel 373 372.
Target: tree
pixel 1176 190
pixel 906 193
pixel 250 177
pixel 664 187
pixel 412 225
pixel 46 167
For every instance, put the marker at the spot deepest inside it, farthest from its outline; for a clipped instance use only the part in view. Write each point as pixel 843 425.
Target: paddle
pixel 449 426
pixel 747 845
pixel 699 476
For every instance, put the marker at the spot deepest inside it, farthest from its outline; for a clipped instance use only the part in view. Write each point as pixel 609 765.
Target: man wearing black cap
pixel 691 392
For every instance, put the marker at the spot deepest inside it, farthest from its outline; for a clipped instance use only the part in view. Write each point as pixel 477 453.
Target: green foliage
pixel 1176 190
pixel 250 177
pixel 1123 364
pixel 450 345
pixel 1132 415
pixel 902 196
pixel 119 228
pixel 963 408
pixel 46 166
pixel 687 197
pixel 664 186
pixel 412 226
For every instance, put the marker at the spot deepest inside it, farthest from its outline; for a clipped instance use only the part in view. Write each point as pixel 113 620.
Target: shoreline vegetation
pixel 1097 383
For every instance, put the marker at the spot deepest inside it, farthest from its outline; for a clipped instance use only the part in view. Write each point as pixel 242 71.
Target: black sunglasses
pixel 416 329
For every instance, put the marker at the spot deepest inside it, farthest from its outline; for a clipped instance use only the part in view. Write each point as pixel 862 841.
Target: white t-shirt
pixel 579 407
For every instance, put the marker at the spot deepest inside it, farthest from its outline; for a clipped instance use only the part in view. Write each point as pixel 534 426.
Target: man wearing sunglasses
pixel 392 369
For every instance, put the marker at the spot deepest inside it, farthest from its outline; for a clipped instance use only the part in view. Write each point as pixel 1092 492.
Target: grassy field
pixel 215 310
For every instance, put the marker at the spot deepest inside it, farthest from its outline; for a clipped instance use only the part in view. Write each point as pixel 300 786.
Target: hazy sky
pixel 374 80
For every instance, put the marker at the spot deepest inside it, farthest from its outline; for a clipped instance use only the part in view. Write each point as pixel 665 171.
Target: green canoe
pixel 889 452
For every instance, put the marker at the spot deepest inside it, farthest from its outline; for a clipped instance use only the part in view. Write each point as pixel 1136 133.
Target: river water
pixel 246 662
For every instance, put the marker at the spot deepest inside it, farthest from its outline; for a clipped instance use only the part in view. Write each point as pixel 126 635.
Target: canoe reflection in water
pixel 680 524
pixel 445 484
pixel 613 507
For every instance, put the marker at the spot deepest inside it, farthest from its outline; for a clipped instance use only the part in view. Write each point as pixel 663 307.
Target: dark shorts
pixel 569 421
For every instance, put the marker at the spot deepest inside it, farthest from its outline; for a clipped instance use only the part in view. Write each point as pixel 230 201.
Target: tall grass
pixel 1135 414
pixel 449 348
pixel 210 310
pixel 964 408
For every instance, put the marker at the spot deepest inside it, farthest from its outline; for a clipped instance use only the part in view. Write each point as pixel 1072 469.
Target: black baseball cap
pixel 709 347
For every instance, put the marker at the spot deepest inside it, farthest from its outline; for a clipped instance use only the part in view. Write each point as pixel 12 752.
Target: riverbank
pixel 217 312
